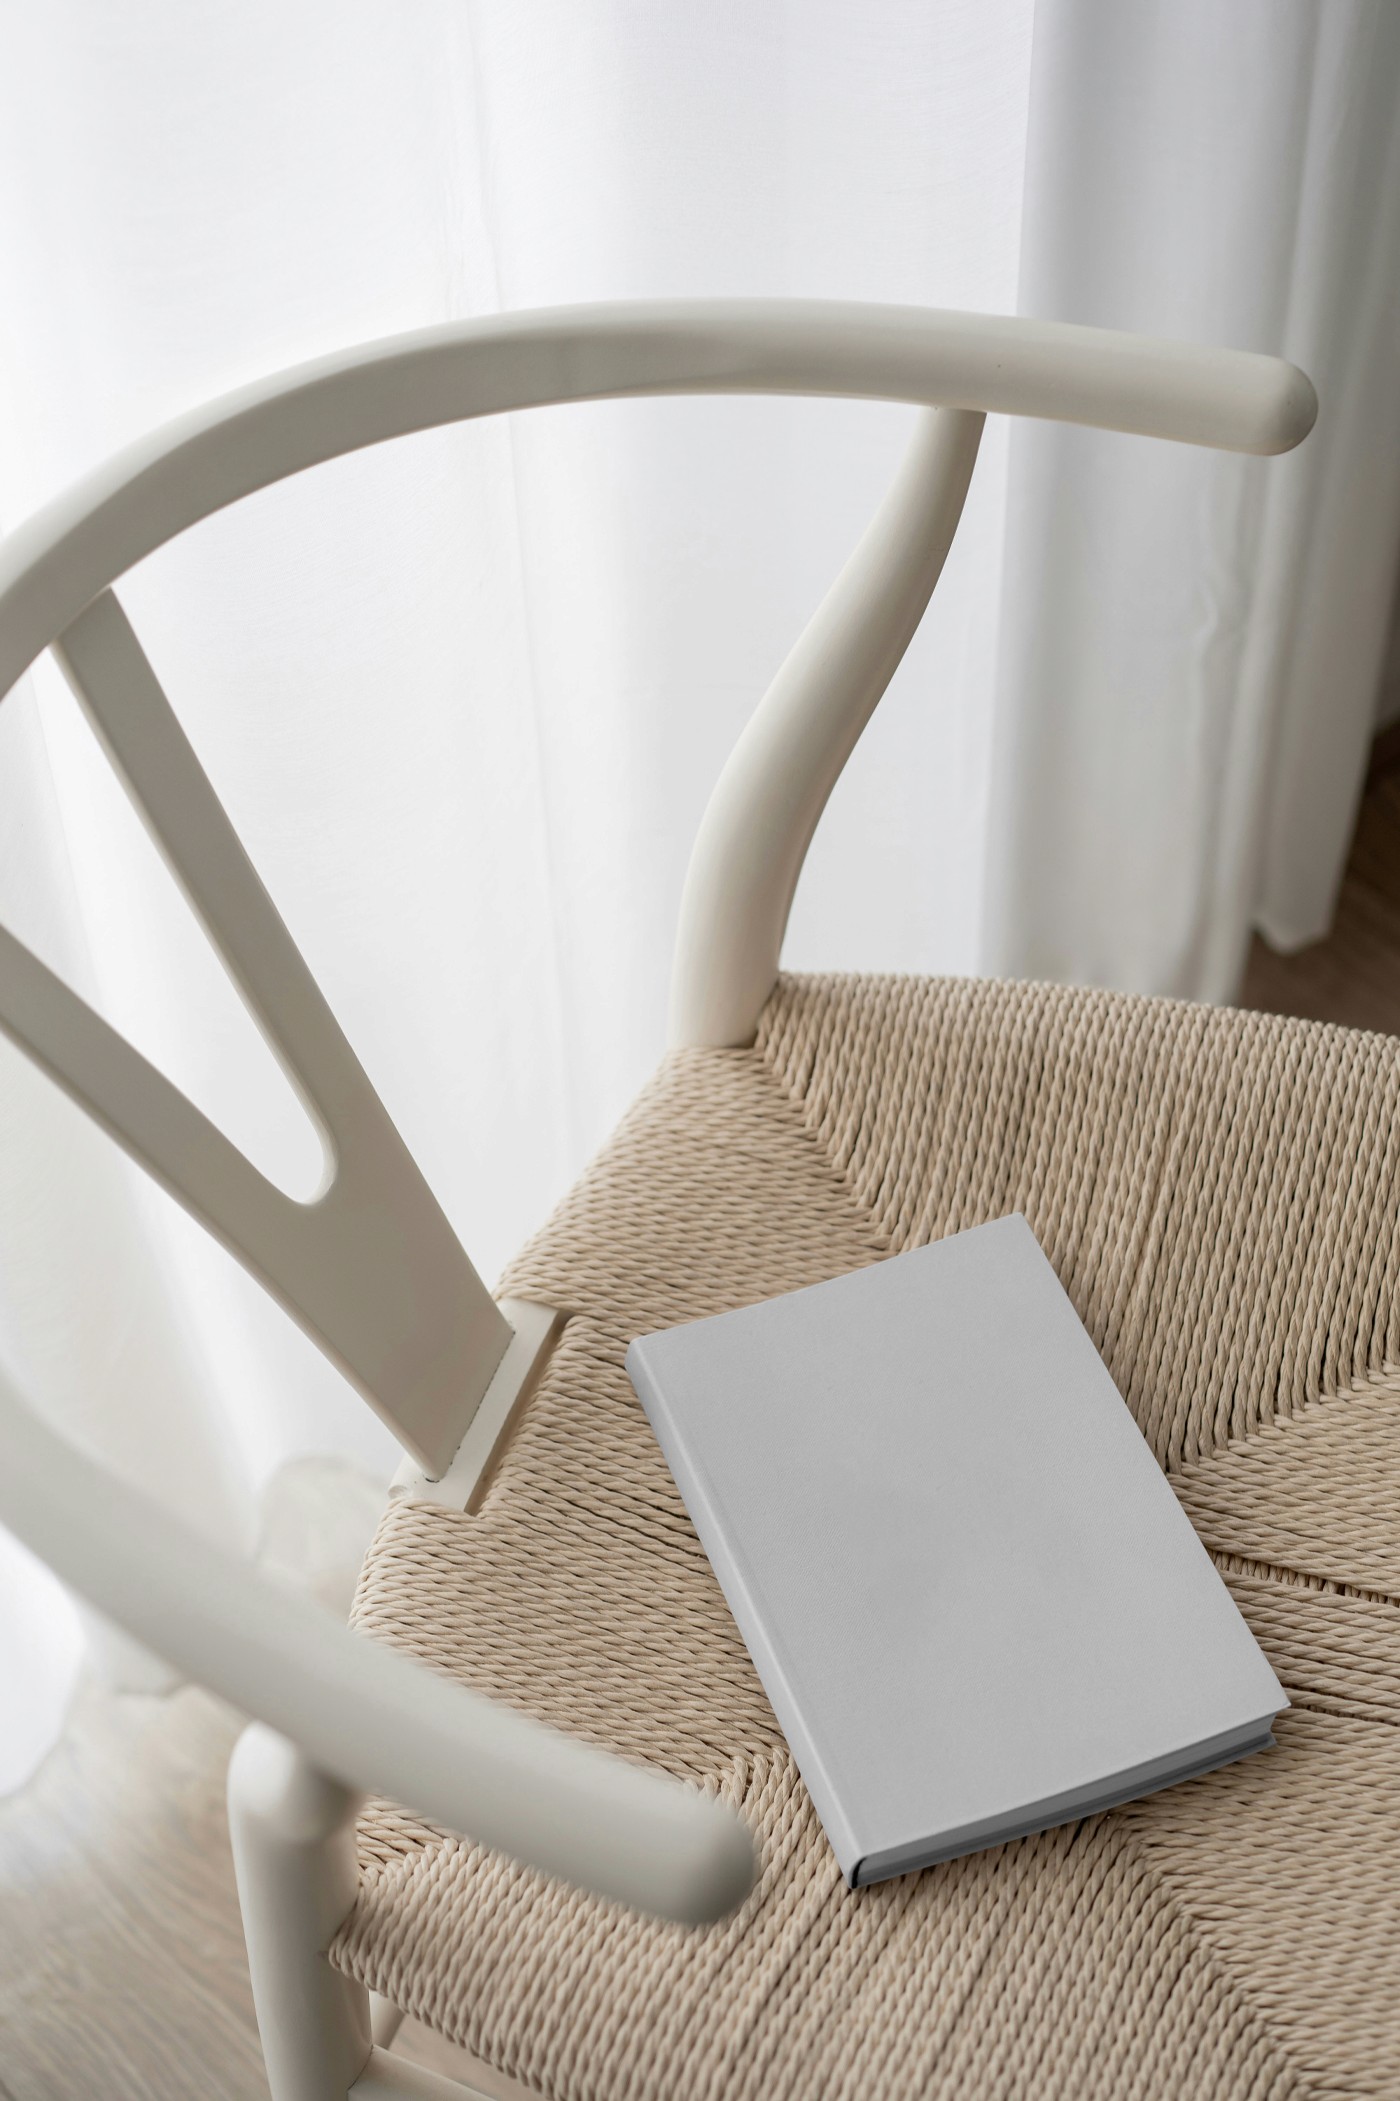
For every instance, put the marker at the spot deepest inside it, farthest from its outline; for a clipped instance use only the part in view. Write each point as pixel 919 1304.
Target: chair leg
pixel 293 1833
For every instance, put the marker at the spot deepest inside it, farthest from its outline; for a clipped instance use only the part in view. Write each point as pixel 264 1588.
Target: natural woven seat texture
pixel 1220 1194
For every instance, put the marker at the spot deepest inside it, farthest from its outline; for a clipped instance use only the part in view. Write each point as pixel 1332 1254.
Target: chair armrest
pixel 365 1714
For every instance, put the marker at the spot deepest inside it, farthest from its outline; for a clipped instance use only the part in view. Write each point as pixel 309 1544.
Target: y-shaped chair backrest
pixel 370 1267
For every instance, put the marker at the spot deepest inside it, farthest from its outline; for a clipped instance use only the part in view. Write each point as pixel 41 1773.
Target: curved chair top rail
pixel 58 561
pixel 371 1268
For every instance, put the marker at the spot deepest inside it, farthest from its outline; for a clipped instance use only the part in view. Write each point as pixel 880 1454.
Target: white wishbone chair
pixel 369 1267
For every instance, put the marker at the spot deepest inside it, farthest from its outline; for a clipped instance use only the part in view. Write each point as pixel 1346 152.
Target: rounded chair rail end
pixel 720 1873
pixel 1292 413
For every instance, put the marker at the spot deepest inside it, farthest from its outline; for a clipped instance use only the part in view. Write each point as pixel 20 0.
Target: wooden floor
pixel 121 1961
pixel 122 1971
pixel 1353 976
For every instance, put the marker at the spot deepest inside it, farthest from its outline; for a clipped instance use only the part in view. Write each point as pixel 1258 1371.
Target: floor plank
pixel 1354 975
pixel 121 1960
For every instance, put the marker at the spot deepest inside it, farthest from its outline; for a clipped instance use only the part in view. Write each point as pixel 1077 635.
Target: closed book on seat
pixel 973 1600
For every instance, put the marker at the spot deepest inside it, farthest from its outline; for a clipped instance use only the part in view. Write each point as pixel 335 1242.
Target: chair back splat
pixel 370 1267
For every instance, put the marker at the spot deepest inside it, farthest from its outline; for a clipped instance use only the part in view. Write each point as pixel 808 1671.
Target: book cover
pixel 972 1597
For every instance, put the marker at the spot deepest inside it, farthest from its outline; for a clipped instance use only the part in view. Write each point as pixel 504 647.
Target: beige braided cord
pixel 1220 1194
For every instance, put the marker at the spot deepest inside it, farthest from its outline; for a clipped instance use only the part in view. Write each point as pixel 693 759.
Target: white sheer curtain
pixel 465 697
pixel 1192 645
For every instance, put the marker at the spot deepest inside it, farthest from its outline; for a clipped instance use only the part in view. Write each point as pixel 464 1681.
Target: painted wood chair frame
pixel 370 1267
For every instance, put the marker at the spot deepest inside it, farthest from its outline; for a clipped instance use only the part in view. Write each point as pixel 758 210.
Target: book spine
pixel 745 1603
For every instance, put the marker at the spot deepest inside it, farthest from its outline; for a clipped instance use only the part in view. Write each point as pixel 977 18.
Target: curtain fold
pixel 465 697
pixel 1191 644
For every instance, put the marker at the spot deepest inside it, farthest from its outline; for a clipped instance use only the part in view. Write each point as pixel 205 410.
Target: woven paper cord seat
pixel 1218 1192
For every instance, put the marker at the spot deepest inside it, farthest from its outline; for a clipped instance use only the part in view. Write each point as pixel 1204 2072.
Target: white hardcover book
pixel 973 1600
